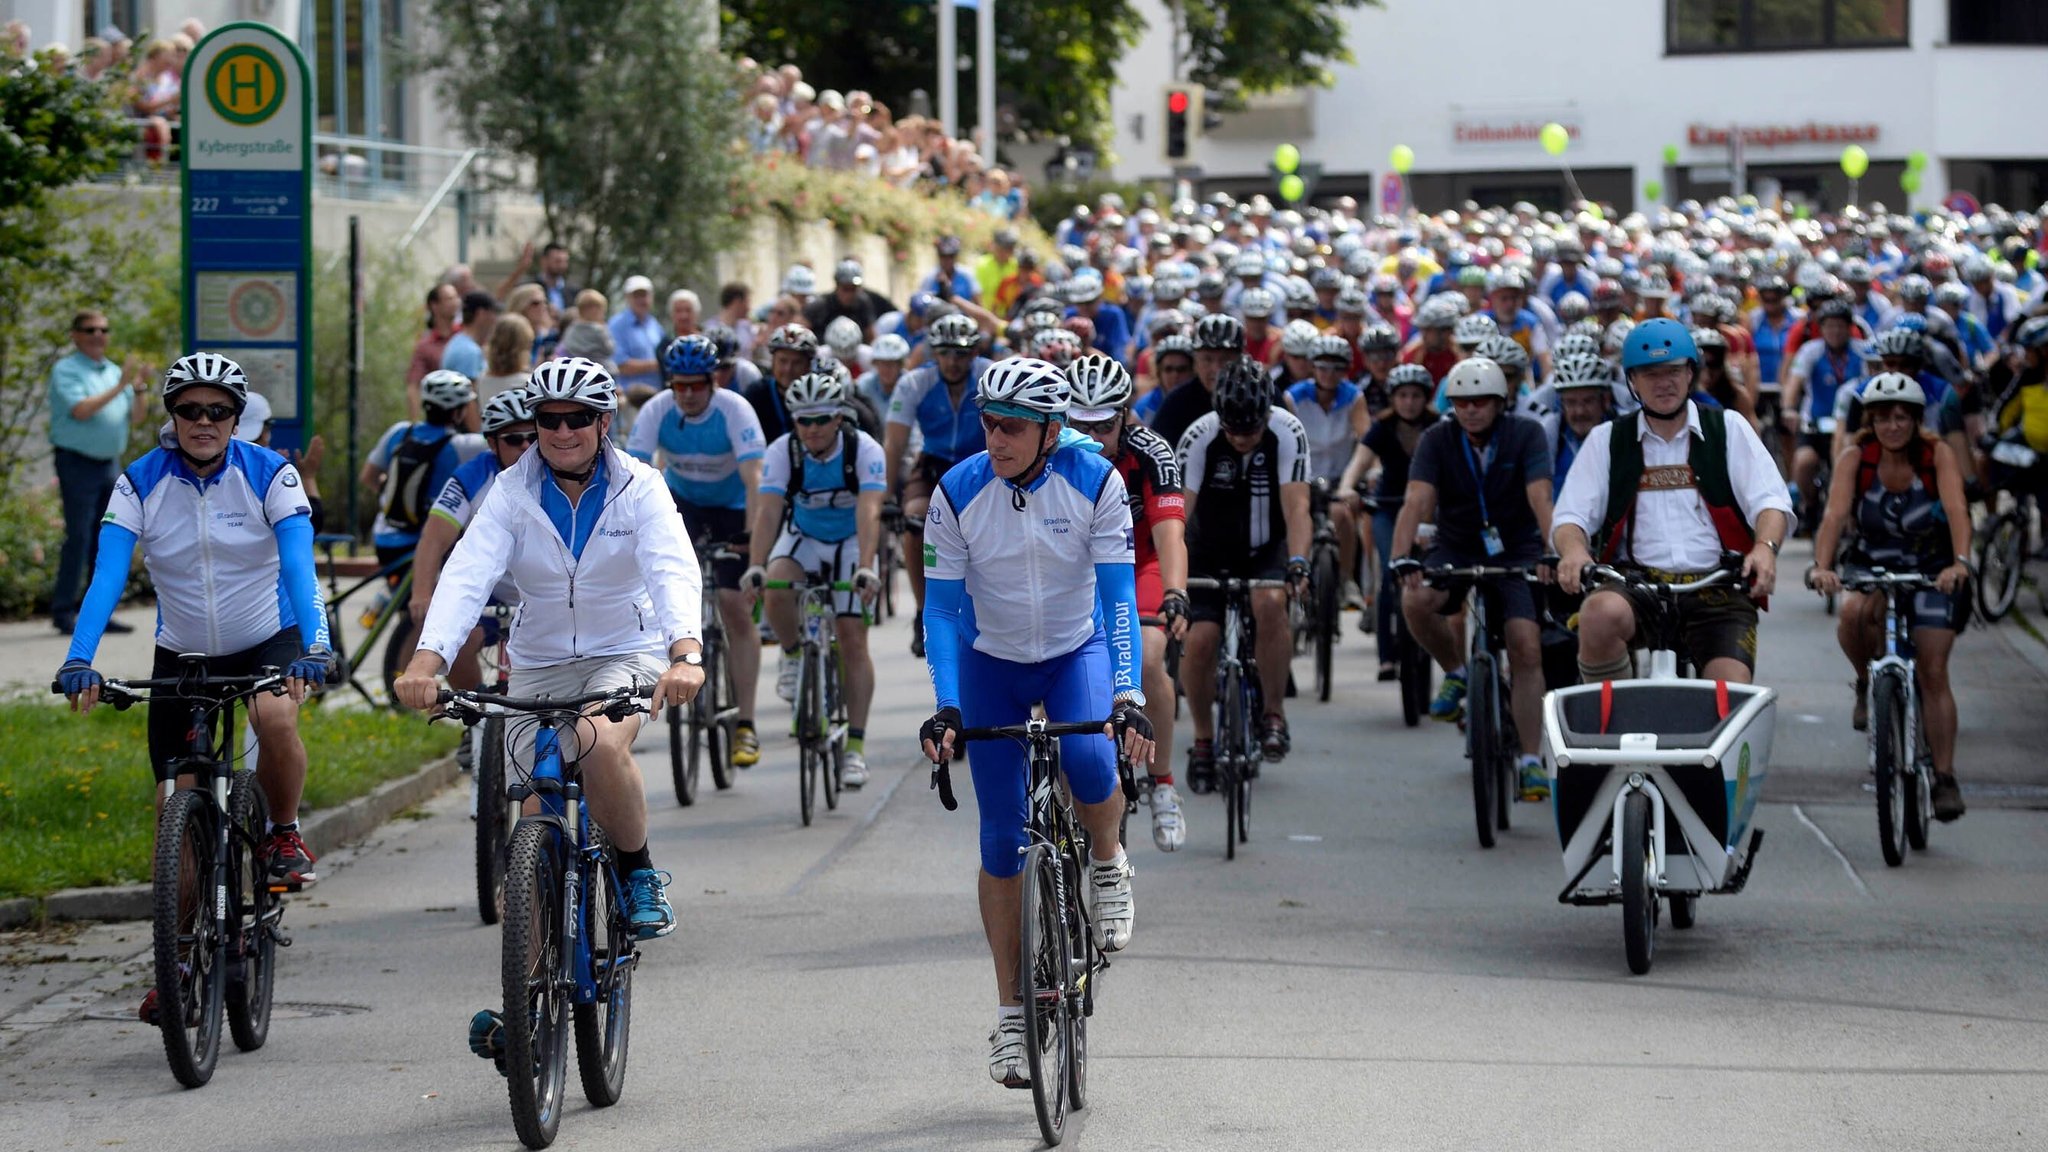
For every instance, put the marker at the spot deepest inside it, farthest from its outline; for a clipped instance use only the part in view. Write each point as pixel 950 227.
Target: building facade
pixel 1765 91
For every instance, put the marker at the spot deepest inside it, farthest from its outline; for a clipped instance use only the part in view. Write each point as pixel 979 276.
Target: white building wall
pixel 1425 66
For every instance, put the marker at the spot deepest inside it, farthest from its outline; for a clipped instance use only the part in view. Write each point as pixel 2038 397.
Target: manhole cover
pixel 282 1010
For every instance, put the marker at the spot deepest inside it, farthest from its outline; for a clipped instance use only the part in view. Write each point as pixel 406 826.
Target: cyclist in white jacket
pixel 610 596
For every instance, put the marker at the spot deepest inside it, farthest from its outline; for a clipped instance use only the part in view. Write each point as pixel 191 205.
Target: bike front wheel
pixel 1328 610
pixel 190 973
pixel 1638 880
pixel 254 911
pixel 1889 746
pixel 683 740
pixel 1481 744
pixel 1045 974
pixel 536 1002
pixel 604 1026
pixel 495 815
pixel 718 723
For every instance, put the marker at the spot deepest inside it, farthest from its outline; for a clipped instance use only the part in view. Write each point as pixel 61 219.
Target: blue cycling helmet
pixel 689 356
pixel 1659 341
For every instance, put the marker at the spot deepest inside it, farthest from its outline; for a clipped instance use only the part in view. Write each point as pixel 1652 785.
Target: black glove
pixel 1297 570
pixel 1173 604
pixel 1130 718
pixel 935 729
pixel 1402 567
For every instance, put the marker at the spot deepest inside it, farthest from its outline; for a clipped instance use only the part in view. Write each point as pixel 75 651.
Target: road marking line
pixel 1830 846
pixel 854 834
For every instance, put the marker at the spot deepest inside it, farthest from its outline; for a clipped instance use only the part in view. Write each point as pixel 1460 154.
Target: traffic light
pixel 1183 109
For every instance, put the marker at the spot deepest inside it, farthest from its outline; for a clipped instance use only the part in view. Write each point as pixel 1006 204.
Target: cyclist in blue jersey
pixel 710 446
pixel 938 400
pixel 1978 347
pixel 411 462
pixel 227 536
pixel 509 428
pixel 1033 599
pixel 1112 325
pixel 1584 388
pixel 820 507
pixel 1821 368
pixel 1334 414
pixel 1569 274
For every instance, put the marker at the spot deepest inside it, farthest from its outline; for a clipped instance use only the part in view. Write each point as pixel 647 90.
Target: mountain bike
pixel 1491 742
pixel 216 914
pixel 1898 731
pixel 388 615
pixel 568 949
pixel 702 731
pixel 821 722
pixel 495 813
pixel 1240 704
pixel 2005 540
pixel 1059 958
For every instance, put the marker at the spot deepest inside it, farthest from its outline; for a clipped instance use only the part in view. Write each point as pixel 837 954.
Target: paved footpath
pixel 1363 976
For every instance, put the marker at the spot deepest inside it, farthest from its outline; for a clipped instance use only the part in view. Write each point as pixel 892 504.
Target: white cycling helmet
pixel 1581 371
pixel 210 370
pixel 1473 330
pixel 576 380
pixel 1893 388
pixel 955 331
pixel 815 394
pixel 1617 336
pixel 800 281
pixel 1437 312
pixel 1025 387
pixel 506 409
pixel 1331 347
pixel 1298 338
pixel 842 335
pixel 446 389
pixel 1100 386
pixel 1256 303
pixel 891 347
pixel 1475 376
pixel 1504 351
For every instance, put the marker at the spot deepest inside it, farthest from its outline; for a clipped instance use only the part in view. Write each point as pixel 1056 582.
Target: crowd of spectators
pixel 149 77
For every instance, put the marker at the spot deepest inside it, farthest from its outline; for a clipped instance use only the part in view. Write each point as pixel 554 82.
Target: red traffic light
pixel 1177 102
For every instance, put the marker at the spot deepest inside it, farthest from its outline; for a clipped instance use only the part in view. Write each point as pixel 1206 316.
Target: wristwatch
pixel 1136 699
pixel 693 659
pixel 1773 545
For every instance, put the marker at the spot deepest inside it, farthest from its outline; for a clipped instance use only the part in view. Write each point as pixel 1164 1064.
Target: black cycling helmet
pixel 1901 342
pixel 1410 376
pixel 1244 395
pixel 724 339
pixel 2033 333
pixel 1219 332
pixel 1834 308
pixel 1379 338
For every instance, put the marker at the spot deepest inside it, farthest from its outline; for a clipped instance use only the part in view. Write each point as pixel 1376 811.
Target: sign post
pixel 248 221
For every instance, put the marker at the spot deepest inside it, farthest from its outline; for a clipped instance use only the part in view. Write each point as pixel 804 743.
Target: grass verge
pixel 75 792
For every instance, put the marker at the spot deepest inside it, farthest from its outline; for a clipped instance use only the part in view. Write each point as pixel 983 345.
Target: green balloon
pixel 1855 161
pixel 1909 180
pixel 1670 155
pixel 1653 189
pixel 1401 159
pixel 1916 160
pixel 1554 138
pixel 1291 187
pixel 1286 158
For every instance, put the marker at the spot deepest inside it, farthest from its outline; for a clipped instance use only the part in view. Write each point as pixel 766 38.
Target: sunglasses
pixel 194 413
pixel 577 420
pixel 956 351
pixel 102 330
pixel 1096 427
pixel 518 439
pixel 693 384
pixel 1251 429
pixel 815 421
pixel 1007 425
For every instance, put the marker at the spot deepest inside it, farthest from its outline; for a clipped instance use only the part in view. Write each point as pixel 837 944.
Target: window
pixel 1698 26
pixel 1997 22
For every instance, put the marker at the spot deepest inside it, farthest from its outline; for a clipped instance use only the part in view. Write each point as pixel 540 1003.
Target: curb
pixel 331 829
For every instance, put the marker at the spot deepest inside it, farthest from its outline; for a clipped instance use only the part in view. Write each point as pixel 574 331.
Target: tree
pixel 624 108
pixel 1058 57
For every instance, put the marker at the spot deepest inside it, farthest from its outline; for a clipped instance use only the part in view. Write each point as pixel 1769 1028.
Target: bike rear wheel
pixel 1229 746
pixel 604 1026
pixel 2001 560
pixel 1481 745
pixel 1889 747
pixel 190 973
pixel 810 740
pixel 1416 675
pixel 1080 1002
pixel 685 729
pixel 396 651
pixel 495 815
pixel 835 718
pixel 1920 803
pixel 1638 891
pixel 254 911
pixel 1327 618
pixel 1044 973
pixel 719 723
pixel 536 1004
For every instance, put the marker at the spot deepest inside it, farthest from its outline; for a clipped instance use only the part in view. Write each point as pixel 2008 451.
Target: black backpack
pixel 407 496
pixel 849 454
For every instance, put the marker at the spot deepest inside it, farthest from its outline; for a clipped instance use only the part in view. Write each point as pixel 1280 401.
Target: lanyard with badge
pixel 1488 534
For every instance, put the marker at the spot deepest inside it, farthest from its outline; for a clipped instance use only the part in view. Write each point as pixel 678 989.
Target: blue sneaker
pixel 487 1038
pixel 647 907
pixel 1535 782
pixel 1449 705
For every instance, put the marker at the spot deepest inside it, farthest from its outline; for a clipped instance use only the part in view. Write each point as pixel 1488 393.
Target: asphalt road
pixel 1363 976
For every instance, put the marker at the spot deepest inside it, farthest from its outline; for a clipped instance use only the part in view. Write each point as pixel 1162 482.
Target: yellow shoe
pixel 746 748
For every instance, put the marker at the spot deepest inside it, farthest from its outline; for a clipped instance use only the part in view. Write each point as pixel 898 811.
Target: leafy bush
pixel 31 535
pixel 855 203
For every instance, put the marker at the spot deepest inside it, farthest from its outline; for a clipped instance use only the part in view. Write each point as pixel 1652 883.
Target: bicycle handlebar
pixel 1481 572
pixel 1871 579
pixel 942 770
pixel 1231 583
pixel 121 694
pixel 1717 577
pixel 620 702
pixel 799 585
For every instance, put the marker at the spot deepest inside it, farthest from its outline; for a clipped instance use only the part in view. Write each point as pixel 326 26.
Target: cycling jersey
pixel 1328 429
pixel 1825 372
pixel 1943 413
pixel 824 509
pixel 1564 447
pixel 1770 342
pixel 1112 331
pixel 231 555
pixel 1151 476
pixel 458 503
pixel 1999 311
pixel 702 453
pixel 923 400
pixel 458 448
pixel 1478 487
pixel 1240 510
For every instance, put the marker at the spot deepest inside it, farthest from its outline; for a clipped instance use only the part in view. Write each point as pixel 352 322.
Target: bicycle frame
pixel 1899 652
pixel 355 660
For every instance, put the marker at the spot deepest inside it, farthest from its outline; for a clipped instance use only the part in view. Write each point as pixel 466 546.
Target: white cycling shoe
pixel 1110 885
pixel 853 771
pixel 1169 830
pixel 1006 1063
pixel 785 676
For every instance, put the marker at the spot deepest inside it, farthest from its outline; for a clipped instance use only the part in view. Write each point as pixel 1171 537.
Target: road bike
pixel 1899 759
pixel 1415 672
pixel 702 731
pixel 1322 615
pixel 495 813
pixel 821 723
pixel 390 615
pixel 216 913
pixel 568 948
pixel 1240 704
pixel 889 559
pixel 1059 958
pixel 1491 742
pixel 1658 778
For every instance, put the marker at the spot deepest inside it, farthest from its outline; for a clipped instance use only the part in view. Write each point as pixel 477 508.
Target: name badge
pixel 1491 538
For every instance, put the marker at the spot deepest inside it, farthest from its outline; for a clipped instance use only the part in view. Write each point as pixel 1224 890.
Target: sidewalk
pixel 31 651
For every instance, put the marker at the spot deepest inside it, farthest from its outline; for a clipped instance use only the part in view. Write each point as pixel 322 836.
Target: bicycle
pixel 215 913
pixel 1898 731
pixel 392 614
pixel 2004 542
pixel 889 559
pixel 821 722
pixel 1240 703
pixel 566 942
pixel 1415 671
pixel 495 814
pixel 703 731
pixel 1491 742
pixel 1322 617
pixel 1058 957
